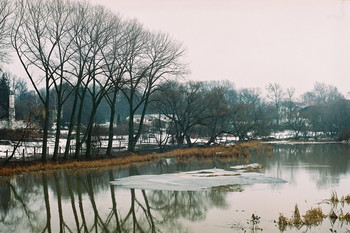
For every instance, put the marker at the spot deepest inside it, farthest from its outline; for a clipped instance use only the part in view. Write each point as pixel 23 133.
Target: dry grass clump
pixel 344 217
pixel 347 199
pixel 314 216
pixel 334 197
pixel 238 151
pixel 283 221
pixel 296 220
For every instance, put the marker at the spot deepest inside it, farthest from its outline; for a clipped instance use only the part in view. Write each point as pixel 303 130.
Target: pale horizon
pixel 251 43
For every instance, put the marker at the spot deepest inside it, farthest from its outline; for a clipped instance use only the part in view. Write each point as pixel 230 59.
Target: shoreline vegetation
pixel 315 215
pixel 237 151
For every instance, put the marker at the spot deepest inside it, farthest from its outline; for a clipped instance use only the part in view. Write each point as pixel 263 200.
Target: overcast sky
pixel 254 42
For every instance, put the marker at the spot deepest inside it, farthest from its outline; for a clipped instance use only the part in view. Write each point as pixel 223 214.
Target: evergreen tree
pixel 4 97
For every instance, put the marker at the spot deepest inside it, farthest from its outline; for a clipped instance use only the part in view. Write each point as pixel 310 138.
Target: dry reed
pixel 238 151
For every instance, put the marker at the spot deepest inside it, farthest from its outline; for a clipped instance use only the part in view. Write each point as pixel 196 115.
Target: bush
pixel 344 135
pixel 17 134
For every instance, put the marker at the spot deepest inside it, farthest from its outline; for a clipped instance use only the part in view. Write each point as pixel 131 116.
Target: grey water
pixel 85 201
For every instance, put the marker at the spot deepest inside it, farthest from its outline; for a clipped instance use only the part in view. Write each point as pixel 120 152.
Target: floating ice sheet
pixel 194 180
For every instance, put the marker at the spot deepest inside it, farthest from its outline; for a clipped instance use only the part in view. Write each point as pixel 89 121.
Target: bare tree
pixel 59 30
pixel 322 93
pixel 35 50
pixel 92 32
pixel 157 57
pixel 82 48
pixel 275 94
pixel 184 105
pixel 115 56
pixel 250 118
pixel 219 100
pixel 6 10
pixel 42 39
pixel 97 84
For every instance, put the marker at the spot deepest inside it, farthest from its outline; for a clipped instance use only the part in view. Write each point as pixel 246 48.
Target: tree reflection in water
pixel 85 202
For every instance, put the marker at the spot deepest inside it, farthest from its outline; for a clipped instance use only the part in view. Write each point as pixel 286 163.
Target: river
pixel 85 201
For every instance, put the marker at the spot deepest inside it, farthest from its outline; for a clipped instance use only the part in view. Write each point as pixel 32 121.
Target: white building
pixel 10 122
pixel 151 118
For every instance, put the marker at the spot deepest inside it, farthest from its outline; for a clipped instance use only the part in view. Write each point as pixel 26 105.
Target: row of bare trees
pixel 214 109
pixel 98 54
pixel 211 110
pixel 81 55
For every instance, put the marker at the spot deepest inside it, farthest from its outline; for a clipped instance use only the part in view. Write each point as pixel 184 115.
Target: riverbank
pixel 237 151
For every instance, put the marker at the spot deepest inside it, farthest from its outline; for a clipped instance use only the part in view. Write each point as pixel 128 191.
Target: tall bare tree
pixel 184 104
pixel 38 37
pixel 276 94
pixel 97 84
pixel 322 93
pixel 6 10
pixel 220 98
pixel 250 119
pixel 93 32
pixel 82 48
pixel 59 30
pixel 159 59
pixel 115 57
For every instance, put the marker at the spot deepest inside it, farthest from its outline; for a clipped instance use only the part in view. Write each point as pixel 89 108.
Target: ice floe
pixel 194 180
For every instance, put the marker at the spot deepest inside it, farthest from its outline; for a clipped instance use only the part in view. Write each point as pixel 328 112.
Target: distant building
pixel 150 119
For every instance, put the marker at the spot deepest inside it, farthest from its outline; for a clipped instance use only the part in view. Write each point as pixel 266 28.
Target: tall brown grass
pixel 238 151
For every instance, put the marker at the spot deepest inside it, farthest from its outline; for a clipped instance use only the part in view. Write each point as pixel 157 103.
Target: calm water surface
pixel 84 201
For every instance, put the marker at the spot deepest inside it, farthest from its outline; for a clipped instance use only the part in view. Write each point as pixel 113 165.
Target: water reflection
pixel 325 163
pixel 85 202
pixel 70 201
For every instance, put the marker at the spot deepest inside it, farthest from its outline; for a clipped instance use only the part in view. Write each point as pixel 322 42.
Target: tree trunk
pixel 71 124
pixel 78 142
pixel 88 134
pixel 131 143
pixel 111 123
pixel 46 125
pixel 211 140
pixel 188 139
pixel 58 127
